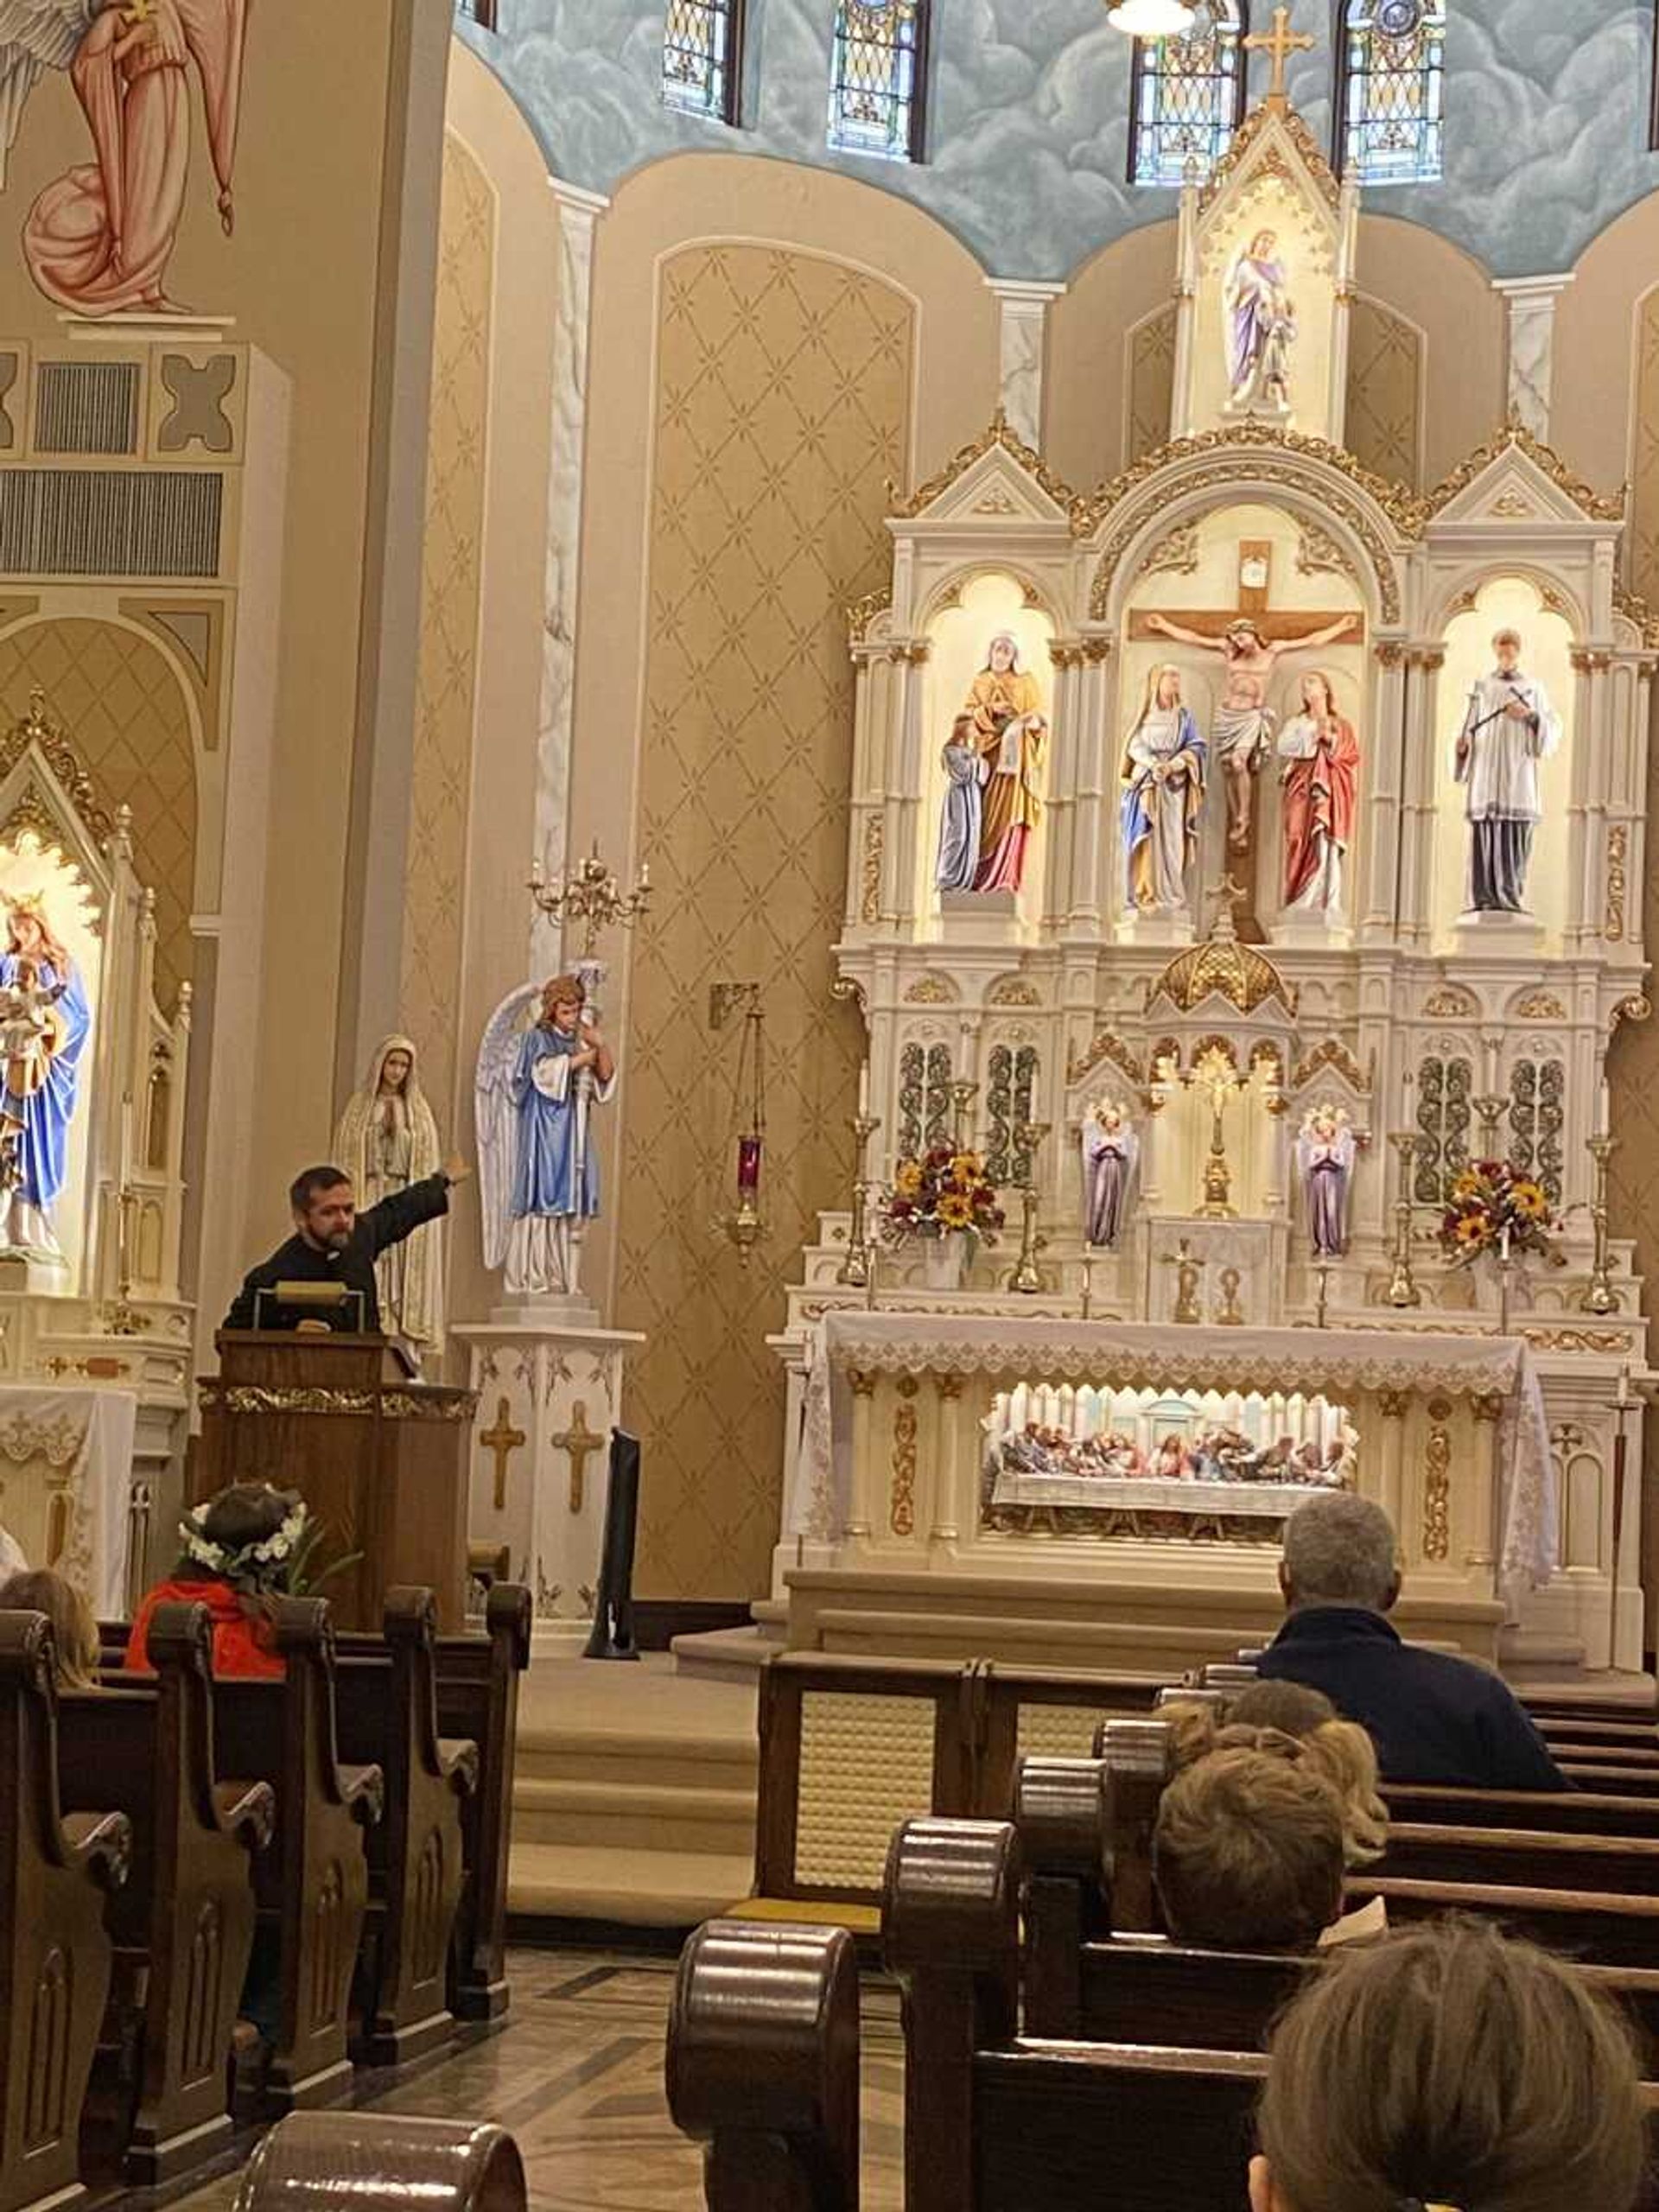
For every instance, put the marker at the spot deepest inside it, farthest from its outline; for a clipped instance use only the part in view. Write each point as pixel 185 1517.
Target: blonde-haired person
pixel 1450 2066
pixel 1247 1854
pixel 1288 1720
pixel 74 1630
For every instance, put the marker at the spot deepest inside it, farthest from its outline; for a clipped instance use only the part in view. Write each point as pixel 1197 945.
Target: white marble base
pixel 1481 931
pixel 1307 932
pixel 540 1377
pixel 979 918
pixel 1172 930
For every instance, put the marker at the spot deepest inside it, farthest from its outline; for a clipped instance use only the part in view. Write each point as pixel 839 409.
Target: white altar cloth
pixel 81 1440
pixel 1053 1349
pixel 1149 1494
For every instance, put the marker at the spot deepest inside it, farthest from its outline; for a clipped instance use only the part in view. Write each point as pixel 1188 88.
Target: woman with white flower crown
pixel 240 1552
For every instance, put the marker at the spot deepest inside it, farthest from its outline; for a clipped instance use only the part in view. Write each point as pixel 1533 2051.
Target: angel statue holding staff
pixel 538 1180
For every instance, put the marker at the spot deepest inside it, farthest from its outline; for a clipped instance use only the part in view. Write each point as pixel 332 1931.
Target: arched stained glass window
pixel 1186 95
pixel 877 78
pixel 703 45
pixel 1391 112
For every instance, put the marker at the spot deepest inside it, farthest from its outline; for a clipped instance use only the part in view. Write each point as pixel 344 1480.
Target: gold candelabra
pixel 857 1270
pixel 963 1095
pixel 1027 1278
pixel 1601 1297
pixel 590 895
pixel 1403 1289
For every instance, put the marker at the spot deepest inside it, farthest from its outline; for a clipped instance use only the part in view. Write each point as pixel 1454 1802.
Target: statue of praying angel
pixel 1325 1150
pixel 1110 1149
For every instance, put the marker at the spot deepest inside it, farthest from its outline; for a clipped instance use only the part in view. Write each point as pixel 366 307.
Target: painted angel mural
pixel 98 238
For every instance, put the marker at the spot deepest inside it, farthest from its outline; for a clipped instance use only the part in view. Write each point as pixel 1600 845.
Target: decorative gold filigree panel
pixel 122 707
pixel 781 402
pixel 1384 373
pixel 447 678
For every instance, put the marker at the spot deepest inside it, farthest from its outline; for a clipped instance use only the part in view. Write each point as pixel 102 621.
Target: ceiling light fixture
pixel 1151 18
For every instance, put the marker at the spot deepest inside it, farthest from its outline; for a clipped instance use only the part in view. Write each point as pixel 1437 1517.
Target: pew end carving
pixel 382 2163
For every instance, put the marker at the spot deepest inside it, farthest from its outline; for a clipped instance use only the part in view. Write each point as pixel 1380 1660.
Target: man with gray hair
pixel 1432 1717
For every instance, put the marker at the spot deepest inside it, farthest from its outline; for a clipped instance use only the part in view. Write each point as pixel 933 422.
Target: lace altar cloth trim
pixel 1130 1494
pixel 80 1442
pixel 1124 1353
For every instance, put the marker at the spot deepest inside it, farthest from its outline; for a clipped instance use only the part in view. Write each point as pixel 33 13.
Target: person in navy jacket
pixel 1432 1717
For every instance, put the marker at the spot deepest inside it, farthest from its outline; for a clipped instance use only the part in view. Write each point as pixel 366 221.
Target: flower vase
pixel 944 1260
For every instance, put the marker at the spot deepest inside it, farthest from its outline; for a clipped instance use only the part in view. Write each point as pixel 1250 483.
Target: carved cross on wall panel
pixel 504 1440
pixel 578 1440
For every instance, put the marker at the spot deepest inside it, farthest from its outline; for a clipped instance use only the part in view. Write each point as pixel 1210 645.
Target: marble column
pixel 1531 301
pixel 1025 308
pixel 579 213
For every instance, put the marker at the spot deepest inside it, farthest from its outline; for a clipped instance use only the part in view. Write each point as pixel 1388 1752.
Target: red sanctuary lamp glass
pixel 744 1226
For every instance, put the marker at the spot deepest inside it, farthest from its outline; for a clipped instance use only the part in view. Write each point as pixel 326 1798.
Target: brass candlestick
pixel 963 1095
pixel 1601 1297
pixel 857 1270
pixel 1323 1271
pixel 1490 1111
pixel 1026 1279
pixel 1403 1289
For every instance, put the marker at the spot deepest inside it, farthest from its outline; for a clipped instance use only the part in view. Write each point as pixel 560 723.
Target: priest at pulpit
pixel 333 1243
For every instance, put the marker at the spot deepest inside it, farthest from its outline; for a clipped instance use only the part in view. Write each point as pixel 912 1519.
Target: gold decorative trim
pixel 1318 554
pixel 932 990
pixel 1437 1483
pixel 1541 1006
pixel 1014 990
pixel 1636 611
pixel 1515 437
pixel 1332 1053
pixel 214 1397
pixel 446 1405
pixel 1450 1002
pixel 901 1502
pixel 1000 433
pixel 875 839
pixel 1638 1007
pixel 1177 554
pixel 1389 654
pixel 1618 852
pixel 1403 508
pixel 1578 1340
pixel 1256 126
pixel 1105 1044
pixel 862 612
pixel 35 728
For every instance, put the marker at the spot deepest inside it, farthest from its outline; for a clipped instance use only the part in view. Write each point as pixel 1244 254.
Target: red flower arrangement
pixel 942 1192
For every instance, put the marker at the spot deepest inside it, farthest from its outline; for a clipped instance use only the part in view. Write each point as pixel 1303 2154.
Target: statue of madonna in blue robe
pixel 38 1092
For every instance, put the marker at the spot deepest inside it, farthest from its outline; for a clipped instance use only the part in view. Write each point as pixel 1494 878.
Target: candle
pixel 748 1164
pixel 1626 1395
pixel 864 1089
pixel 126 1143
pixel 1606 1108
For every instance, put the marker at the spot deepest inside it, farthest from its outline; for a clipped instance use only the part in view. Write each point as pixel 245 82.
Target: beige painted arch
pixel 948 589
pixel 1470 582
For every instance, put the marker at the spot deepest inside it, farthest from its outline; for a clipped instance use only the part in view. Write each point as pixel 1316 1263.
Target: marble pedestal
pixel 549 1393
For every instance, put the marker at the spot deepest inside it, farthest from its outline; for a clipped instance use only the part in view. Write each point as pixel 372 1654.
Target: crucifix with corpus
pixel 1250 637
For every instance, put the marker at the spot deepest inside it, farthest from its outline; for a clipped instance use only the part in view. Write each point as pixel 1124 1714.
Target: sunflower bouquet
pixel 942 1191
pixel 1494 1207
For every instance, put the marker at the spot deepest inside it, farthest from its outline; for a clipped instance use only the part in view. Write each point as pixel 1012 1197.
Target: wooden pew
pixel 999 2122
pixel 55 1871
pixel 1523 1857
pixel 378 2163
pixel 386 1713
pixel 1579 1812
pixel 478 1698
pixel 313 1885
pixel 184 1921
pixel 763 2065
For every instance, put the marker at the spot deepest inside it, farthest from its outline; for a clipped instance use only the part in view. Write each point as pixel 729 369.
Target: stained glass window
pixel 701 57
pixel 1187 95
pixel 878 70
pixel 1390 116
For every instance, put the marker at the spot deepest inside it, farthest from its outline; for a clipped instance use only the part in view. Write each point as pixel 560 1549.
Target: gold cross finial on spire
pixel 1281 42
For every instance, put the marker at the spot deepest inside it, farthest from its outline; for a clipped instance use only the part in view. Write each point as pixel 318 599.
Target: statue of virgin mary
pixel 388 1139
pixel 40 1085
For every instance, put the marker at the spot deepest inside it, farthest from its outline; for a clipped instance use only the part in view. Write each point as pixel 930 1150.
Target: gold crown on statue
pixel 26 902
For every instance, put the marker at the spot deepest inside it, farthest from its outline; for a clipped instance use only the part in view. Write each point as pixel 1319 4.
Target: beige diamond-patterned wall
pixel 1152 382
pixel 123 710
pixel 781 410
pixel 446 682
pixel 1384 366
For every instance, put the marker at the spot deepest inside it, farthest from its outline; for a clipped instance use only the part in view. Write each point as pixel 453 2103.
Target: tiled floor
pixel 577 2076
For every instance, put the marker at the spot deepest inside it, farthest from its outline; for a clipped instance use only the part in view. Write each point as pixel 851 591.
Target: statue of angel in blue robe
pixel 538 1179
pixel 44 1021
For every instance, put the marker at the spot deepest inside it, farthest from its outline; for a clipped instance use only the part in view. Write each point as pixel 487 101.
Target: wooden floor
pixel 578 2078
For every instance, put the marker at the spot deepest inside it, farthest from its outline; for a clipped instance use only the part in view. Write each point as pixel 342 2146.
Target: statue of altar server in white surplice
pixel 1508 728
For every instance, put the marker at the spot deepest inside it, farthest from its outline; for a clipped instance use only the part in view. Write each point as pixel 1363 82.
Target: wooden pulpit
pixel 382 1465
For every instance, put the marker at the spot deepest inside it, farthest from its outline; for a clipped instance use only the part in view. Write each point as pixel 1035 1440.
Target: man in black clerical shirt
pixel 333 1243
pixel 1433 1719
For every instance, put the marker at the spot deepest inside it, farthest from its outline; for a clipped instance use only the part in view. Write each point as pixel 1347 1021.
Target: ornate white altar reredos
pixel 1218 797
pixel 89 1279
